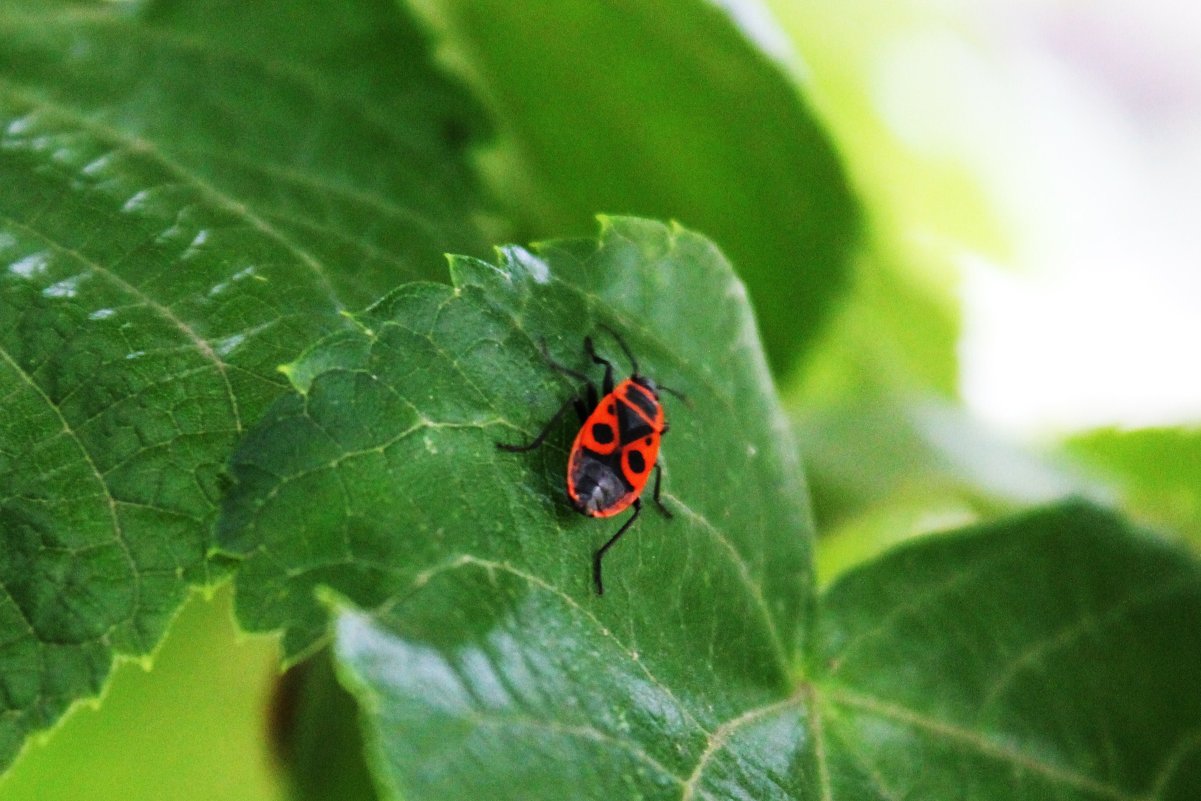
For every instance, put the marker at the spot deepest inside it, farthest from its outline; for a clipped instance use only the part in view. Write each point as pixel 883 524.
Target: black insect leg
pixel 538 440
pixel 562 368
pixel 624 347
pixel 591 351
pixel 658 481
pixel 596 560
pixel 589 388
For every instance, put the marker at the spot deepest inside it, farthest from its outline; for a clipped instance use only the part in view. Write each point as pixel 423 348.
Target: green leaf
pixel 1157 471
pixel 866 452
pixel 886 453
pixel 668 109
pixel 316 733
pixel 382 470
pixel 380 479
pixel 897 330
pixel 885 467
pixel 191 193
pixel 1053 656
pixel 1049 656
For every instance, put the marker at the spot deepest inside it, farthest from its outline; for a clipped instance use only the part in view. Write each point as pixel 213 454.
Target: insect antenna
pixel 634 363
pixel 675 392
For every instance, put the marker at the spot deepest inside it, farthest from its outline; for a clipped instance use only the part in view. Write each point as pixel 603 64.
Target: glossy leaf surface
pixel 347 481
pixel 380 479
pixel 1050 656
pixel 191 193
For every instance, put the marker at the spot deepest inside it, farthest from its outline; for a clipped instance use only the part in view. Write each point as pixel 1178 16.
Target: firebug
pixel 617 446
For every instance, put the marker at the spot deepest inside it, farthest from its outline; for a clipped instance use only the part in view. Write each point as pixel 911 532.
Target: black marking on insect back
pixel 630 425
pixel 632 422
pixel 639 396
pixel 602 433
pixel 613 462
pixel 636 461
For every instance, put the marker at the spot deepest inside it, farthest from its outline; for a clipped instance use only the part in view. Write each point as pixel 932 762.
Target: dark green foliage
pixel 1050 656
pixel 667 109
pixel 182 208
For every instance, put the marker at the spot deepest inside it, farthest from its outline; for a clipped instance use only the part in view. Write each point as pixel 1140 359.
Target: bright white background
pixel 1083 121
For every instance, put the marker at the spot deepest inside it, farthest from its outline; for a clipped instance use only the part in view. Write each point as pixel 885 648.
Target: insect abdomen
pixel 596 488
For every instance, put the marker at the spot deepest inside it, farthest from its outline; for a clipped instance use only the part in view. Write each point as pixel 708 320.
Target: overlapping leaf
pixel 1053 656
pixel 686 110
pixel 1050 657
pixel 380 479
pixel 191 192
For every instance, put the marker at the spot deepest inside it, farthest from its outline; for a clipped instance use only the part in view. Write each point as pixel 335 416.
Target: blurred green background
pixel 192 725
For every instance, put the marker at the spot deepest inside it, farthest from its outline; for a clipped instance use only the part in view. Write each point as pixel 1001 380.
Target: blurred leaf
pixel 871 450
pixel 380 479
pixel 316 733
pixel 190 729
pixel 1051 656
pixel 877 528
pixel 1156 470
pixel 191 193
pixel 895 332
pixel 885 465
pixel 924 192
pixel 887 454
pixel 667 110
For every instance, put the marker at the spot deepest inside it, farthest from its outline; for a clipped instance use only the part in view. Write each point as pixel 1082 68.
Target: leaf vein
pixel 978 743
pixel 584 732
pixel 1066 635
pixel 744 574
pixel 467 560
pixel 114 518
pixel 722 733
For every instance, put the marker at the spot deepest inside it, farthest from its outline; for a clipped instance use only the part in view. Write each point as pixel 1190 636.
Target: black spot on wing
pixel 602 433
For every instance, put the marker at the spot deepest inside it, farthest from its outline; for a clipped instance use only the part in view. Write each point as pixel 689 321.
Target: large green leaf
pixel 381 471
pixel 1052 656
pixel 671 109
pixel 191 193
pixel 381 480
